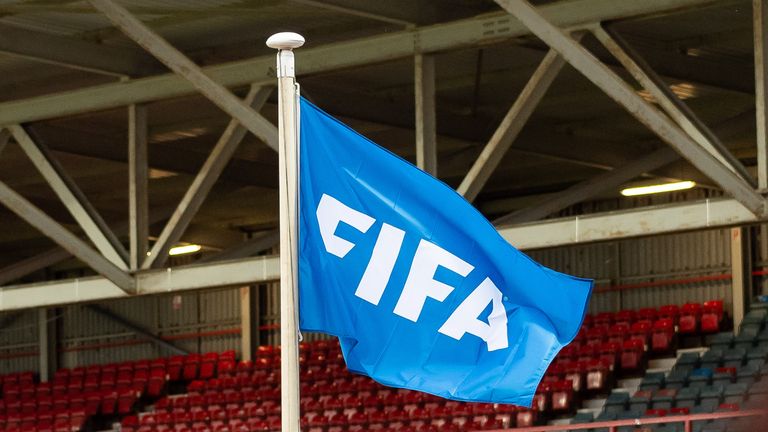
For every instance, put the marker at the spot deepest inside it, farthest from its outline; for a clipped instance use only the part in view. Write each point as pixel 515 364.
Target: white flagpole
pixel 288 125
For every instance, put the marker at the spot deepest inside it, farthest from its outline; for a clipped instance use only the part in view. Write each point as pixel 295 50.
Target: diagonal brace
pixel 136 328
pixel 52 229
pixel 605 79
pixel 668 100
pixel 183 66
pixel 511 125
pixel 203 182
pixel 72 198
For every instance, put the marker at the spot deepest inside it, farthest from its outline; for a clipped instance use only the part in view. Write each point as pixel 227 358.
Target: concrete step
pixel 630 384
pixel 593 403
pixel 661 365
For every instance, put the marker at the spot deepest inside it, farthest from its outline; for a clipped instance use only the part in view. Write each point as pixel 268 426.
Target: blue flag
pixel 420 288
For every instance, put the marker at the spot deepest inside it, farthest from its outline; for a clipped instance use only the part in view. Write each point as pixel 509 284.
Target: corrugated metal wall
pixel 635 261
pixel 209 321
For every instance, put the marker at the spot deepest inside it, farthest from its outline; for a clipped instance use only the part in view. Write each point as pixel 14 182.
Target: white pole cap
pixel 285 41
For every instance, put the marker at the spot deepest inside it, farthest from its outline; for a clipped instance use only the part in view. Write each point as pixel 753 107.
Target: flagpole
pixel 289 167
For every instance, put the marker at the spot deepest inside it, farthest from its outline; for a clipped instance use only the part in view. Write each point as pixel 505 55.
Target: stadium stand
pixel 214 392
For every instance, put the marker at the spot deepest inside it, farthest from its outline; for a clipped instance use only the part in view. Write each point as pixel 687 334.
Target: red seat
pixel 690 314
pixel 175 365
pixel 624 317
pixel 711 316
pixel 598 372
pixel 669 311
pixel 646 314
pixel 562 396
pixel 191 365
pixel 208 365
pixel 526 418
pixel 618 332
pixel 597 335
pixel 662 335
pixel 640 330
pixel 125 401
pixel 632 355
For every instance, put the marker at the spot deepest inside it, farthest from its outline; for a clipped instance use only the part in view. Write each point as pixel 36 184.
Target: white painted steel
pixel 760 21
pixel 630 223
pixel 187 69
pixel 511 125
pixel 604 78
pixel 72 198
pixel 164 281
pixel 440 37
pixel 426 131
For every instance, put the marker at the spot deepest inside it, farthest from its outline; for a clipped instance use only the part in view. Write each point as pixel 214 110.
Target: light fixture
pixel 659 188
pixel 183 250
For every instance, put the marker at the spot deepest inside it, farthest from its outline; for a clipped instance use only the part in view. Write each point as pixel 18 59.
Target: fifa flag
pixel 420 288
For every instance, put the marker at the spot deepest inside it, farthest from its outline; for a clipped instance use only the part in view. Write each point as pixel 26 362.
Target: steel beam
pixel 47 344
pixel 706 214
pixel 138 181
pixel 591 187
pixel 52 229
pixel 426 130
pixel 209 173
pixel 390 46
pixel 72 198
pixel 171 280
pixel 511 125
pixel 741 273
pixel 586 63
pixel 184 67
pixel 760 29
pixel 249 322
pixel 247 248
pixel 688 121
pixel 56 255
pixel 74 53
pixel 137 329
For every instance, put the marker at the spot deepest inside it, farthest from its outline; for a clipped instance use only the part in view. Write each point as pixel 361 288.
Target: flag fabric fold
pixel 420 288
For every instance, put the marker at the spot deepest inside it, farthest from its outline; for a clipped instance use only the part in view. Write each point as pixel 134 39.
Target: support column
pixel 741 270
pixel 426 133
pixel 249 321
pixel 138 171
pixel 47 343
pixel 760 20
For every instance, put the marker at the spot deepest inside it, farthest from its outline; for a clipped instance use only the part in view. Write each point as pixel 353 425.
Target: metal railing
pixel 612 426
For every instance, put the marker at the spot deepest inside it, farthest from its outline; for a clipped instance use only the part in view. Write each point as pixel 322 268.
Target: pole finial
pixel 285 41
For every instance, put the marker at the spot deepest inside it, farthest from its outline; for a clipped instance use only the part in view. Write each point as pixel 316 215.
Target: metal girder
pixel 56 255
pixel 378 11
pixel 204 181
pixel 741 273
pixel 137 329
pixel 706 214
pixel 184 67
pixel 74 53
pixel 138 182
pixel 72 197
pixel 511 125
pixel 583 61
pixel 688 121
pixel 390 46
pixel 247 248
pixel 760 29
pixel 426 131
pixel 52 229
pixel 163 281
pixel 591 187
pixel 30 265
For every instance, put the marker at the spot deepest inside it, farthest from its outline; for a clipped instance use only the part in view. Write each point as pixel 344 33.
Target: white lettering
pixel 421 282
pixel 379 269
pixel 330 212
pixel 464 318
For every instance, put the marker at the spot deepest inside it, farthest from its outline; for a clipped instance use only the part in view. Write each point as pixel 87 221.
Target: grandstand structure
pixel 139 209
